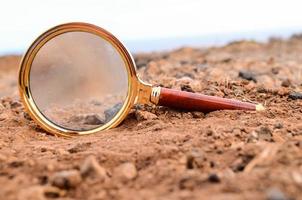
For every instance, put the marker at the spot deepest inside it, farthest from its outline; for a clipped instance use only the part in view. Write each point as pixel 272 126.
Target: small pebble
pixel 144 115
pixel 195 159
pixel 189 180
pixel 53 192
pixel 15 104
pixel 275 194
pixel 111 112
pixel 93 119
pixel 89 119
pixel 283 91
pixel 187 88
pixel 253 137
pixel 213 178
pixel 91 168
pixel 27 116
pixel 261 89
pixel 275 70
pixel 209 132
pixel 286 83
pixel 237 132
pixel 278 125
pixel 125 172
pixel 264 133
pixel 295 95
pixel 79 147
pixel 66 179
pixel 247 75
pixel 197 114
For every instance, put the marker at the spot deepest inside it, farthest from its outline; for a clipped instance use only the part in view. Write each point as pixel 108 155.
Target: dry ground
pixel 160 153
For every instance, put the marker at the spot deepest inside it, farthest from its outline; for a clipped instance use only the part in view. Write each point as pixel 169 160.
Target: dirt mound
pixel 160 153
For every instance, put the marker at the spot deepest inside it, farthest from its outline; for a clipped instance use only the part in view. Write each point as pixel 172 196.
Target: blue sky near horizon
pixel 139 21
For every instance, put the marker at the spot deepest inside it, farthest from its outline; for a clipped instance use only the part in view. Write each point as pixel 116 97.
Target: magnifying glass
pixel 78 79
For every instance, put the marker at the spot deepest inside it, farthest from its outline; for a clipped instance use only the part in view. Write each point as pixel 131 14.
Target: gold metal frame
pixel 138 91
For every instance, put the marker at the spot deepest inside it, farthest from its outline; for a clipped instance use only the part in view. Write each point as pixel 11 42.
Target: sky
pixel 152 24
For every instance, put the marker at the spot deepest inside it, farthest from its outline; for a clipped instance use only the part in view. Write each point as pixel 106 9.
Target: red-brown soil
pixel 161 153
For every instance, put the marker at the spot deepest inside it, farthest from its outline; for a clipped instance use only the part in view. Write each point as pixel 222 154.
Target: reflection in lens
pixel 78 81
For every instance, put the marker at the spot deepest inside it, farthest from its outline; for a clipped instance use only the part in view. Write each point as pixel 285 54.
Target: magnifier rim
pixel 24 76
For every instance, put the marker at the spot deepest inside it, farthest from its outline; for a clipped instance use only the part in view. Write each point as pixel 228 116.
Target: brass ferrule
pixel 155 93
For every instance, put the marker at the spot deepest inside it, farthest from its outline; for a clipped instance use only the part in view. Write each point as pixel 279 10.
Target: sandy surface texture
pixel 161 153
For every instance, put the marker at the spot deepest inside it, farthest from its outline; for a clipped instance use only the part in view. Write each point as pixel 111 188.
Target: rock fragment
pixel 66 179
pixel 195 159
pixel 275 194
pixel 213 178
pixel 125 172
pixel 93 119
pixel 144 115
pixel 91 168
pixel 197 114
pixel 88 119
pixel 79 147
pixel 275 70
pixel 295 95
pixel 190 179
pixel 262 89
pixel 53 192
pixel 247 75
pixel 111 112
pixel 278 125
pixel 264 133
pixel 188 84
pixel 15 104
pixel 187 88
pixel 286 83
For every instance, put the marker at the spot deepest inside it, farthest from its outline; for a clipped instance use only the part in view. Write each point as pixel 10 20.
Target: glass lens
pixel 78 81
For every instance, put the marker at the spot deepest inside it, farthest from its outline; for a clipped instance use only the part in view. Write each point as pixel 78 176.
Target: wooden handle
pixel 199 102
